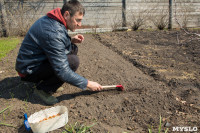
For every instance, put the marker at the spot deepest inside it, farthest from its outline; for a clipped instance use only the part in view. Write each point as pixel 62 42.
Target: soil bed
pixel 160 71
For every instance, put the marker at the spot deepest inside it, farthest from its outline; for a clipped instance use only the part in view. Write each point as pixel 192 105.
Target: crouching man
pixel 48 55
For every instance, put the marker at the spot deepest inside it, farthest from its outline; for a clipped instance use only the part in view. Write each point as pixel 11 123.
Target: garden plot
pixel 160 76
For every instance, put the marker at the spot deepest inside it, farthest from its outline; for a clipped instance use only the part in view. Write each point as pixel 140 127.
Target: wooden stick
pixel 109 86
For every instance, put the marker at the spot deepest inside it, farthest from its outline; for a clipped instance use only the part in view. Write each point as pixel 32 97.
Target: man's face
pixel 73 21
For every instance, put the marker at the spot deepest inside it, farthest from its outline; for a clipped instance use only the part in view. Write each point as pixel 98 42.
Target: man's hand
pixel 94 86
pixel 77 39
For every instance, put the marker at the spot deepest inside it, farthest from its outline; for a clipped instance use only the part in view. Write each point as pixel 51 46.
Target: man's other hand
pixel 77 38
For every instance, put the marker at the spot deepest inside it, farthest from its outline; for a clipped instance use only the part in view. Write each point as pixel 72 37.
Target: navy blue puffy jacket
pixel 48 39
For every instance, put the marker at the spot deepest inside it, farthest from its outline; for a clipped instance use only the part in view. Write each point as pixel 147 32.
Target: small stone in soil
pixel 129 128
pixel 167 124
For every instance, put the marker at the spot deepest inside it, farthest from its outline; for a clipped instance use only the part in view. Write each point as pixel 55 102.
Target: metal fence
pixel 20 14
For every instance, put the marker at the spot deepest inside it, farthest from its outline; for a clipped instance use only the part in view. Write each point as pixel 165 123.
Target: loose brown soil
pixel 160 71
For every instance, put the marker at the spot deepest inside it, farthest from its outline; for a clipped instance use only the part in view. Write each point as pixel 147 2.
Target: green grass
pixel 8 44
pixel 77 128
pixel 159 128
pixel 4 124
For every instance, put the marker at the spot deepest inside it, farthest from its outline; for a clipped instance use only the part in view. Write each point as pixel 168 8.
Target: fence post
pixel 170 14
pixel 123 13
pixel 21 3
pixel 64 1
pixel 2 18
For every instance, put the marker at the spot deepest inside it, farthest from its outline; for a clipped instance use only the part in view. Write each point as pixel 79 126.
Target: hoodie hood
pixel 56 14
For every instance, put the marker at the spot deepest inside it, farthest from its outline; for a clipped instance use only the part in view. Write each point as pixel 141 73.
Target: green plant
pixel 12 95
pixel 27 93
pixel 4 124
pixel 25 105
pixel 4 109
pixel 159 128
pixel 77 128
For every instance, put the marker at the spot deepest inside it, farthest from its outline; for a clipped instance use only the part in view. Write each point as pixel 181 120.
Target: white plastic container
pixel 39 125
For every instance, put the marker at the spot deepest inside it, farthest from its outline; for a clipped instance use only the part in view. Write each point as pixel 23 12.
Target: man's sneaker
pixel 47 98
pixel 59 89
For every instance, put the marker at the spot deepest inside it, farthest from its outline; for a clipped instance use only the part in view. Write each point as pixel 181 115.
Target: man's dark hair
pixel 72 7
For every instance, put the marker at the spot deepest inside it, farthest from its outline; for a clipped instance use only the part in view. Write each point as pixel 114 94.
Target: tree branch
pixel 181 27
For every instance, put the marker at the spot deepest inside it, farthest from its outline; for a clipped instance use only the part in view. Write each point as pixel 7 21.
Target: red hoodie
pixel 56 14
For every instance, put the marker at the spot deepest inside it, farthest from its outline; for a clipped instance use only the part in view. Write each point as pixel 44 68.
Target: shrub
pixel 19 16
pixel 161 19
pixel 116 22
pixel 139 19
